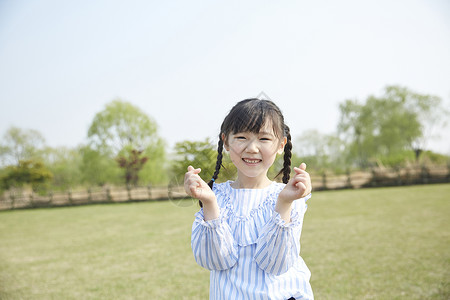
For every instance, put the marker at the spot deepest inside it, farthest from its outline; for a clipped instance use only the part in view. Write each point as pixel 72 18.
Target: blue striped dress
pixel 251 252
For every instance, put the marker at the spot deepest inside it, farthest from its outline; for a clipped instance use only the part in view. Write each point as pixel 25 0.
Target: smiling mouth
pixel 251 161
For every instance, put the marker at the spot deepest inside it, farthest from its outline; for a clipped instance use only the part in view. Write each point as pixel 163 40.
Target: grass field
pixel 389 243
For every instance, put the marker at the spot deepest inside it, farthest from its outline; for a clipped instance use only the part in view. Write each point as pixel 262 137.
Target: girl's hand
pixel 196 187
pixel 298 187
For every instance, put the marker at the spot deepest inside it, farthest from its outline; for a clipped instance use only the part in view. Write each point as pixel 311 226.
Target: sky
pixel 186 63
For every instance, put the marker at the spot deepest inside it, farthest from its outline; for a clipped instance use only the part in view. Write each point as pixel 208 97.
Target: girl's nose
pixel 252 147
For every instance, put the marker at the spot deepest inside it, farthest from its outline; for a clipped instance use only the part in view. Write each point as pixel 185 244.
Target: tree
pixel 98 168
pixel 200 154
pixel 154 170
pixel 274 171
pixel 132 162
pixel 20 144
pixel 121 127
pixel 380 127
pixel 64 163
pixel 26 172
pixel 430 112
pixel 385 126
pixel 320 151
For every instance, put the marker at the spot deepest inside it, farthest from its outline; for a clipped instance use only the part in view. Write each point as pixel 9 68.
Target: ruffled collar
pixel 246 229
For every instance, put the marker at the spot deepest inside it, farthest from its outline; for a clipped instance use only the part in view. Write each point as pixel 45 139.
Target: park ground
pixel 383 243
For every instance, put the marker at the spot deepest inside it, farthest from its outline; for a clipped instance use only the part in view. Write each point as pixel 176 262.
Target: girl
pixel 247 232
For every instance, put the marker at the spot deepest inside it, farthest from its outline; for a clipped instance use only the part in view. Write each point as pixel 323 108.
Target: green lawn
pixel 390 243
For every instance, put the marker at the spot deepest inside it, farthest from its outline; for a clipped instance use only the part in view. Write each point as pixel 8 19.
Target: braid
pixel 287 156
pixel 218 162
pixel 218 165
pixel 287 160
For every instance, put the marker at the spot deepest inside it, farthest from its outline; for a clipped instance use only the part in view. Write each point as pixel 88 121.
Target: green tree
pixel 320 151
pixel 277 166
pixel 384 127
pixel 20 144
pixel 200 154
pixel 27 172
pixel 429 109
pixel 64 163
pixel 98 168
pixel 155 169
pixel 119 128
pixel 122 125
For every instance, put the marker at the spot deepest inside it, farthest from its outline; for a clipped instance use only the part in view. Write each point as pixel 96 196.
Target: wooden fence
pixel 20 198
pixel 380 177
pixel 15 199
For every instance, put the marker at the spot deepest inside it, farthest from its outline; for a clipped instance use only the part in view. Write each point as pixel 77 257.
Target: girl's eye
pixel 264 139
pixel 240 137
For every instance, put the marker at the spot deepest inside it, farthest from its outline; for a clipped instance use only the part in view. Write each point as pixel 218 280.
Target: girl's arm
pixel 298 187
pixel 212 243
pixel 278 245
pixel 197 188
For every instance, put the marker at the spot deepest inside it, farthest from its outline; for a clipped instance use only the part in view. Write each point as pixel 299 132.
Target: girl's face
pixel 253 154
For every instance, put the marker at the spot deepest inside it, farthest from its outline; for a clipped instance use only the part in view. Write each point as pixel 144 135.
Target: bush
pixel 27 172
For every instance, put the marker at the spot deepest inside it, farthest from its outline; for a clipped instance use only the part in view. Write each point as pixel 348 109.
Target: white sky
pixel 186 63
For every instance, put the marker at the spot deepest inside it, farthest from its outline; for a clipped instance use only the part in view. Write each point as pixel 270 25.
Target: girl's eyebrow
pixel 265 133
pixel 259 133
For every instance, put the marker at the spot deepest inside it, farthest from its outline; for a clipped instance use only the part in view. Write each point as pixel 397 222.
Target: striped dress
pixel 251 252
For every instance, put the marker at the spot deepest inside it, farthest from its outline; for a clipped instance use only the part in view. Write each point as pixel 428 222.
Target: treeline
pixel 123 146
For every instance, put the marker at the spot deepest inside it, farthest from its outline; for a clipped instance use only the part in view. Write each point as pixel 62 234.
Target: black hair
pixel 250 115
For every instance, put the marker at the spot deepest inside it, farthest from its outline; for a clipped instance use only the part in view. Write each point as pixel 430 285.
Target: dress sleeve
pixel 278 246
pixel 212 243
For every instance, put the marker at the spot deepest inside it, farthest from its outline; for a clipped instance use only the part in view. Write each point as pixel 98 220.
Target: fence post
pixel 129 192
pixel 425 174
pixel 149 191
pixel 3 199
pixel 448 172
pixel 50 198
pixel 32 204
pixel 108 194
pixel 169 191
pixel 89 195
pixel 407 176
pixel 324 180
pixel 399 175
pixel 69 196
pixel 12 197
pixel 349 179
pixel 374 177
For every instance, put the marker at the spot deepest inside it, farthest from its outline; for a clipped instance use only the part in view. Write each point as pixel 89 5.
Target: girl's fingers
pixel 192 170
pixel 300 169
pixel 301 185
pixel 193 187
pixel 302 180
pixel 192 175
pixel 301 176
pixel 194 180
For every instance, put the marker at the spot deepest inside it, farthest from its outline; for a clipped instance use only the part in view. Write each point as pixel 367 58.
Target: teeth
pixel 251 161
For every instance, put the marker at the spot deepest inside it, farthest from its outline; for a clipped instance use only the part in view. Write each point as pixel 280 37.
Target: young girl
pixel 247 232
